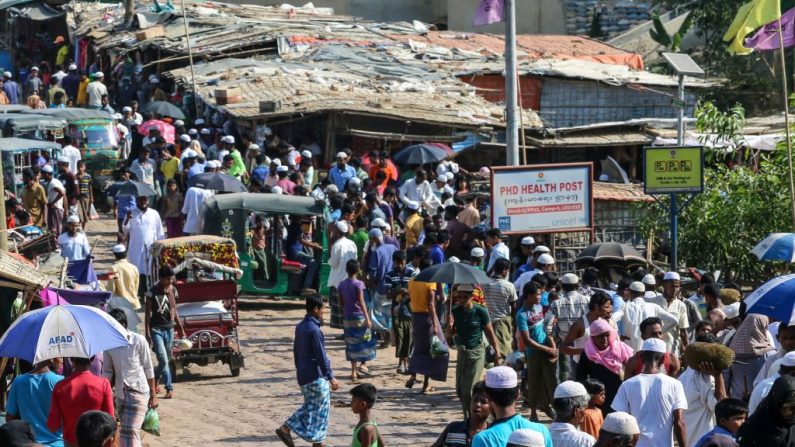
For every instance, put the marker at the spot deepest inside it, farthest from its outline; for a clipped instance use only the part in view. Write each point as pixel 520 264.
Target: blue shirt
pixel 437 254
pixel 29 399
pixel 718 432
pixel 124 205
pixel 341 177
pixel 532 321
pixel 501 429
pixel 379 263
pixel 309 352
pixel 260 173
pixel 11 90
pixel 519 270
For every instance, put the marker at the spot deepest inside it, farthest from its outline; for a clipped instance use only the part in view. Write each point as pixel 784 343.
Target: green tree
pixel 671 42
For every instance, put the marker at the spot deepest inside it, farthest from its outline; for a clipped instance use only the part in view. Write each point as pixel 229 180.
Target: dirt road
pixel 211 408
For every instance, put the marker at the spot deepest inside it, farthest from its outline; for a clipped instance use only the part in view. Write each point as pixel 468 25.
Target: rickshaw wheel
pixel 235 371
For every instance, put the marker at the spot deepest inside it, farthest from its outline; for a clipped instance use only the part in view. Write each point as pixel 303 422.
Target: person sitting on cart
pixel 259 242
pixel 301 248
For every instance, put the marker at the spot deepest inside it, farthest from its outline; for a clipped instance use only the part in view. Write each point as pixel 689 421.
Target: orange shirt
pixel 592 422
pixel 391 173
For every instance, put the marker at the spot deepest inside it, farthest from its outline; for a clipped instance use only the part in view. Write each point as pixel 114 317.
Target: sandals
pixel 410 383
pixel 285 437
pixel 365 371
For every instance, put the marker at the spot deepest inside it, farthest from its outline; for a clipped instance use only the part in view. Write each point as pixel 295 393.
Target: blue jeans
pixel 162 341
pixel 312 267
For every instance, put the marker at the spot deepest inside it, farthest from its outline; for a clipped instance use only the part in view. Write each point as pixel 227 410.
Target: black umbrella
pixel 610 253
pixel 453 273
pixel 130 188
pixel 217 182
pixel 419 154
pixel 164 108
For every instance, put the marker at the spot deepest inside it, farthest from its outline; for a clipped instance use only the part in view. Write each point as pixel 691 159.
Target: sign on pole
pixel 542 198
pixel 673 169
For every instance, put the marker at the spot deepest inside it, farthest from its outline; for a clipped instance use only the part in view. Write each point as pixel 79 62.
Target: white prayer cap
pixel 267 160
pixel 341 155
pixel 376 233
pixel 47 169
pixel 355 181
pixel 34 68
pixel 546 259
pixel 464 288
pixel 185 137
pixel 527 437
pixel 119 248
pixel 378 223
pixel 654 345
pixel 621 423
pixel 253 147
pixel 413 205
pixel 306 154
pixel 788 360
pixel 179 123
pixel 193 132
pixel 671 276
pixel 570 278
pixel 190 153
pixel 72 67
pixel 541 249
pixel 63 159
pixel 453 259
pixel 528 240
pixel 342 226
pixel 477 252
pixel 277 190
pixel 7 74
pixel 117 116
pixel 229 139
pixel 331 189
pixel 206 131
pixel 501 377
pixel 649 280
pixel 732 310
pixel 99 74
pixel 282 168
pixel 126 109
pixel 276 161
pixel 198 121
pixel 637 286
pixel 570 388
pixel 73 219
pixel 441 178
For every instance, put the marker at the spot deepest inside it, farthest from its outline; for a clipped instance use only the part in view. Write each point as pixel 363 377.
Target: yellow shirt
pixel 418 295
pixel 82 94
pixel 413 229
pixel 169 168
pixel 60 57
pixel 125 282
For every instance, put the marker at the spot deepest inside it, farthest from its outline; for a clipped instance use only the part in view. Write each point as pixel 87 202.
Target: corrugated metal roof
pixel 594 138
pixel 619 192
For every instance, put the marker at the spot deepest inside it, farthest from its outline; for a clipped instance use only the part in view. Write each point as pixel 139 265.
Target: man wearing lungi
pixel 315 378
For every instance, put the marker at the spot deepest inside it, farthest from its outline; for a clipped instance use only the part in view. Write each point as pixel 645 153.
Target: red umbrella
pixel 166 130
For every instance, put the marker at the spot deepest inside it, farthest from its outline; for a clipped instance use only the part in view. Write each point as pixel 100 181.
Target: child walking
pixel 171 209
pixel 360 346
pixel 366 433
pixel 593 419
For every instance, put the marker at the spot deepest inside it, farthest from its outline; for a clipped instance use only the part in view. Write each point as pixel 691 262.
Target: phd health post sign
pixel 673 169
pixel 542 198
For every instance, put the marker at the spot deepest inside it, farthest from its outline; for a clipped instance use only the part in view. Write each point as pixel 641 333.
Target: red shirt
pixel 75 395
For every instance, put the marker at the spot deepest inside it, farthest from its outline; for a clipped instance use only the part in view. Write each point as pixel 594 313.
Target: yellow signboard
pixel 670 169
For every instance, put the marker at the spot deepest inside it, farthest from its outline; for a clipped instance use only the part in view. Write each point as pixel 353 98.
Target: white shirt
pixel 131 364
pixel 144 171
pixel 144 228
pixel 54 185
pixel 652 399
pixel 191 208
pixel 634 312
pixel 411 191
pixel 566 435
pixel 525 278
pixel 95 90
pixel 437 191
pixel 342 251
pixel 770 368
pixel 760 392
pixel 678 309
pixel 74 248
pixel 73 154
pixel 498 251
pixel 700 414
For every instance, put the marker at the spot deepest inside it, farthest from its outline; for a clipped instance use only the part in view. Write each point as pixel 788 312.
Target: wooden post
pixel 330 123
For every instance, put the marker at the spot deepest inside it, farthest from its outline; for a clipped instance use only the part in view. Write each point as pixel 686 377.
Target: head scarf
pixel 616 353
pixel 766 426
pixel 751 337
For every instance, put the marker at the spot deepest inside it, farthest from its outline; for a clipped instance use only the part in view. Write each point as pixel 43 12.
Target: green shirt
pixel 359 237
pixel 469 324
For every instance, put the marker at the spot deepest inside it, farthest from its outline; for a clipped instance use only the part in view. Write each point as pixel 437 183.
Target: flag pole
pixel 786 121
pixel 511 97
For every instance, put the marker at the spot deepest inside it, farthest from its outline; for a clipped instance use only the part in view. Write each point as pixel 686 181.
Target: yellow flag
pixel 751 16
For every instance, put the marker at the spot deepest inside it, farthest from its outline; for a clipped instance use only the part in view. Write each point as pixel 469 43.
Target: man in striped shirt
pixel 501 301
pixel 562 315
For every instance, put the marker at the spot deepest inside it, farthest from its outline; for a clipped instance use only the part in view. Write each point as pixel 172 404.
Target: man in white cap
pixel 143 227
pixel 96 90
pixel 418 190
pixel 656 400
pixel 33 85
pixel 501 298
pixel 307 169
pixel 341 172
pixel 569 402
pixel 651 286
pixel 502 390
pixel 413 224
pixel 619 429
pixel 73 242
pixel 525 437
pixel 11 88
pixel 563 312
pixel 731 321
pixel 786 367
pixel 192 207
pixel 528 242
pixel 704 388
pixel 544 263
pixel 670 300
pixel 476 256
pixel 207 142
pixel 342 250
pixel 124 277
pixel 284 182
pixel 635 311
pixel 440 187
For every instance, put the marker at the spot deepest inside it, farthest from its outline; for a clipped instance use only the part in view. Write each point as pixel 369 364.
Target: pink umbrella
pixel 166 130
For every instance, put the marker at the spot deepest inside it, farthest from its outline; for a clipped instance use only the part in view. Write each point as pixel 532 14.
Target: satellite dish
pixel 614 171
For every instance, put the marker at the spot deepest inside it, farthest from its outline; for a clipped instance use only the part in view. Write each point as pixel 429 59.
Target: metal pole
pixel 3 232
pixel 680 140
pixel 511 98
pixel 190 59
pixel 785 99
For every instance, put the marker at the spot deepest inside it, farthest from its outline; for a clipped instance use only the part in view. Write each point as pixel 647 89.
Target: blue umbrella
pixel 62 331
pixel 776 247
pixel 776 299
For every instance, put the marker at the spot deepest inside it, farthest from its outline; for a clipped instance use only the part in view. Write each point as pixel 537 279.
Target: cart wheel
pixel 235 371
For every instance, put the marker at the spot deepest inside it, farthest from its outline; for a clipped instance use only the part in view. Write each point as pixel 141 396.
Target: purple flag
pixel 489 11
pixel 767 37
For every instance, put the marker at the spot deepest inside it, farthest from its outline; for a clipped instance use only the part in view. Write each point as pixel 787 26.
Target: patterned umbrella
pixel 166 130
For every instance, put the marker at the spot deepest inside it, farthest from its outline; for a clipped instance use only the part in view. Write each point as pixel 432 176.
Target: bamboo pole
pixel 786 121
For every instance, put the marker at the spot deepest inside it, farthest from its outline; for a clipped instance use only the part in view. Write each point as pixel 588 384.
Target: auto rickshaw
pixel 206 270
pixel 94 133
pixel 31 125
pixel 21 153
pixel 234 216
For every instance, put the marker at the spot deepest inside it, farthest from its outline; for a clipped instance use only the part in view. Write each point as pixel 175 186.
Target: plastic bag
pixel 438 348
pixel 151 422
pixel 92 213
